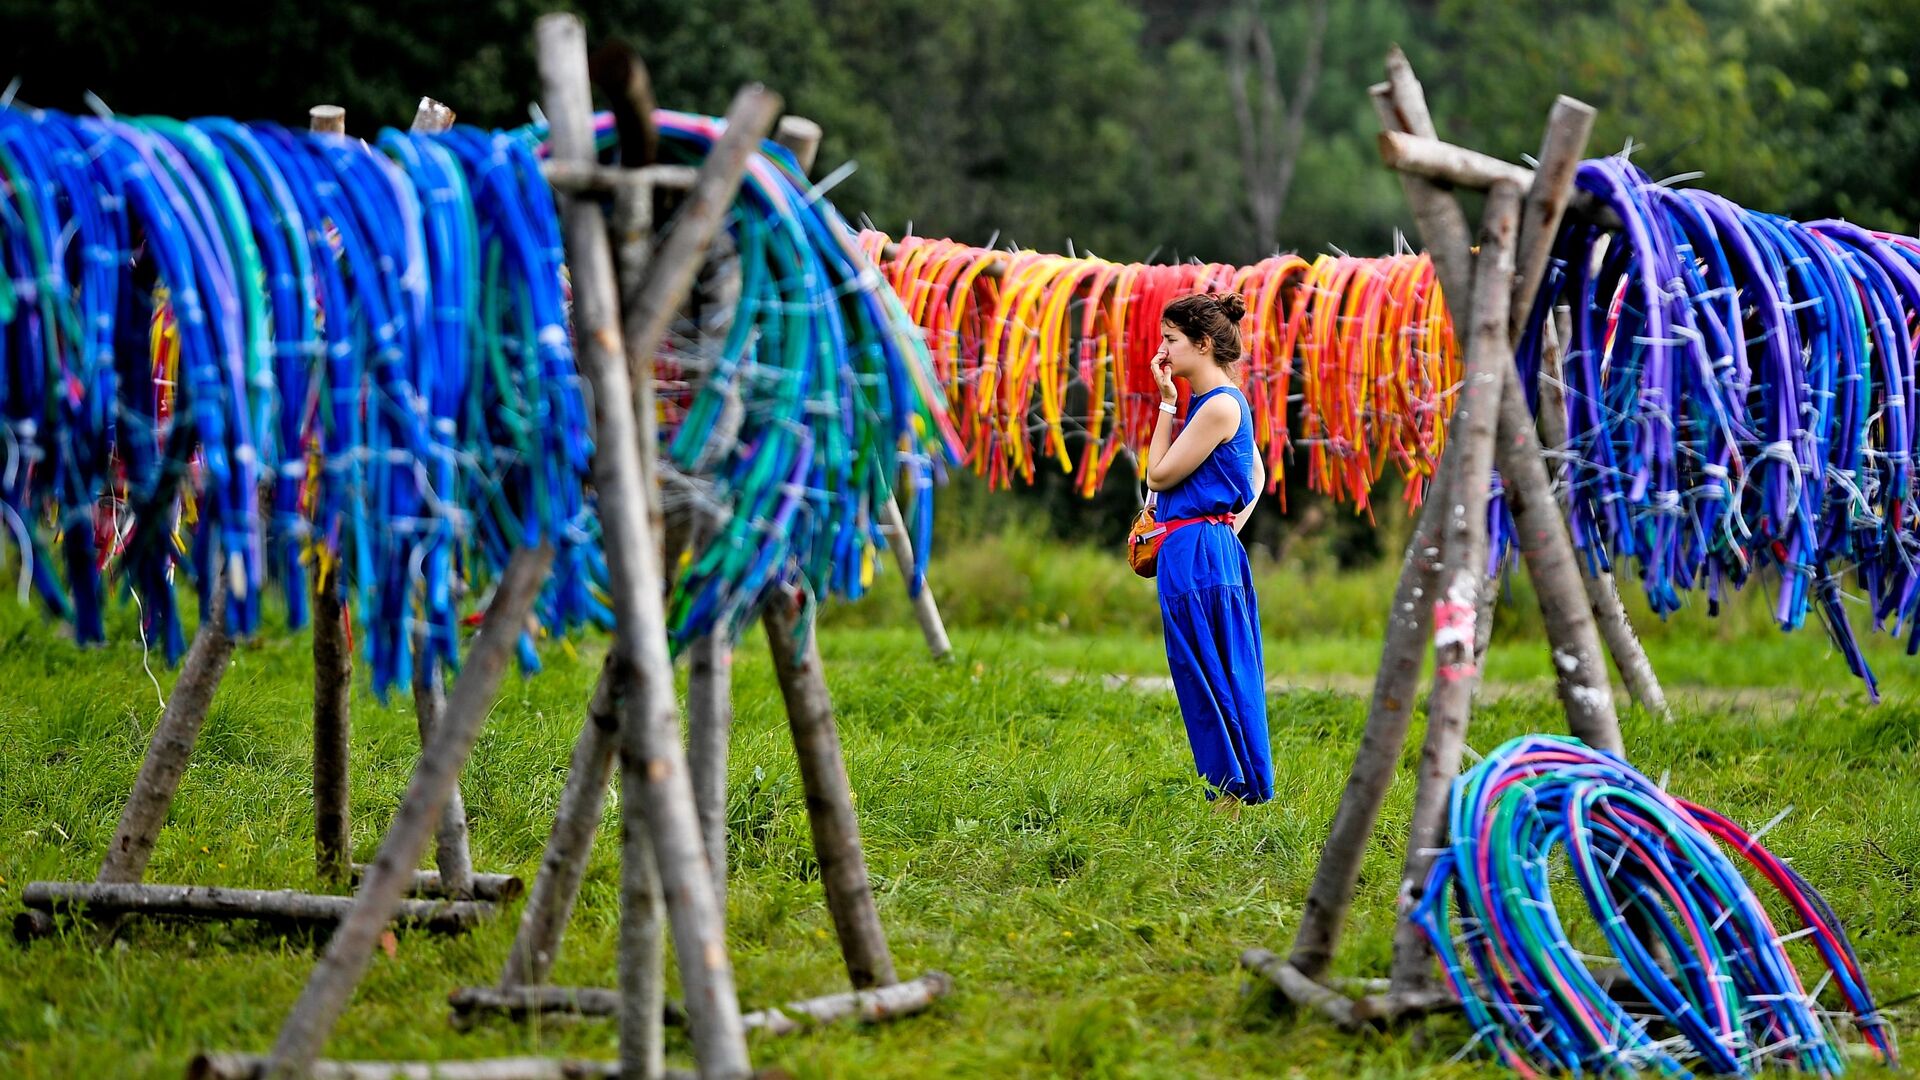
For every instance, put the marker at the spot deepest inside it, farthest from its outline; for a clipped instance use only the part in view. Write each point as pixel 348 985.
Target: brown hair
pixel 1214 316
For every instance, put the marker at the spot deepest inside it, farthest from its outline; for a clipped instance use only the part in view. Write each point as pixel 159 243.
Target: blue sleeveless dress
pixel 1211 620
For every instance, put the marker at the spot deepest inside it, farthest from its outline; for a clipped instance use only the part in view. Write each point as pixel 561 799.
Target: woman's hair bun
pixel 1232 305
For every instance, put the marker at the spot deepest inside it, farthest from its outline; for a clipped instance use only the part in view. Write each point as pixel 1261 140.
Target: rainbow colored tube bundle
pixel 1032 348
pixel 252 353
pixel 195 311
pixel 1658 878
pixel 1740 397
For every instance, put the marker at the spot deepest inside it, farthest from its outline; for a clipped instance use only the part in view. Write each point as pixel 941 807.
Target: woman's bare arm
pixel 1173 460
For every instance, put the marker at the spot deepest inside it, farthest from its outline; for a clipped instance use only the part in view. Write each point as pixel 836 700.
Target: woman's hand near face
pixel 1162 367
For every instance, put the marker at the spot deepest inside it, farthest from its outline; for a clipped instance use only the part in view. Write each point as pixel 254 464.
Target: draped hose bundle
pixel 379 333
pixel 799 424
pixel 1729 993
pixel 1033 348
pixel 192 308
pixel 1739 397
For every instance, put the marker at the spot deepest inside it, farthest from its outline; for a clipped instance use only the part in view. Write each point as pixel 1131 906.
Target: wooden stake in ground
pixel 709 730
pixel 1463 545
pixel 544 920
pixel 452 855
pixel 332 674
pixel 1409 619
pixel 1402 107
pixel 642 672
pixel 313 1017
pixel 172 745
pixel 332 691
pixel 1603 594
pixel 823 775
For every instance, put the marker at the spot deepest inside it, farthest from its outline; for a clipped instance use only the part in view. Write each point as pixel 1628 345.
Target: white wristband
pixel 1167 407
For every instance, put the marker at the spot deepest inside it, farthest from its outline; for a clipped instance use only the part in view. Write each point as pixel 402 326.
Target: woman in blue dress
pixel 1208 480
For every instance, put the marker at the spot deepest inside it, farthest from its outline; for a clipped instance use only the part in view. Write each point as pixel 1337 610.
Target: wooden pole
pixel 643 673
pixel 1583 688
pixel 213 902
pixel 823 775
pixel 1409 619
pixel 427 885
pixel 313 1017
pixel 172 745
pixel 332 675
pixel 327 119
pixel 624 81
pixel 709 729
pixel 925 610
pixel 431 117
pixel 544 920
pixel 1446 163
pixel 452 855
pixel 332 725
pixel 1603 594
pixel 252 1067
pixel 1540 529
pixel 1463 557
pixel 802 136
pixel 650 300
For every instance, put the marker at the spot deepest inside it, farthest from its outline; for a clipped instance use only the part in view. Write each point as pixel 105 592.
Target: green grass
pixel 1030 830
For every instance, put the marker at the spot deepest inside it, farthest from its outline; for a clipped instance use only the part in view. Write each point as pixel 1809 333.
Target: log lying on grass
pixel 868 1006
pixel 1305 993
pixel 213 902
pixel 522 1001
pixel 487 888
pixel 254 1067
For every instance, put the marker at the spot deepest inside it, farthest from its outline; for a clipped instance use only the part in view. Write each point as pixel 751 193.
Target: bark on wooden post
pixel 642 950
pixel 823 775
pixel 1410 618
pixel 643 683
pixel 451 855
pixel 925 610
pixel 1463 545
pixel 544 920
pixel 172 745
pixel 431 117
pixel 709 730
pixel 332 675
pixel 1540 529
pixel 327 119
pixel 281 906
pixel 332 691
pixel 1603 593
pixel 381 893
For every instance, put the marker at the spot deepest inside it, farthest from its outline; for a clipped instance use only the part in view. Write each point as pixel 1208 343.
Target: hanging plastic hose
pixel 1739 396
pixel 1034 348
pixel 191 307
pixel 1655 879
pixel 801 420
pixel 379 332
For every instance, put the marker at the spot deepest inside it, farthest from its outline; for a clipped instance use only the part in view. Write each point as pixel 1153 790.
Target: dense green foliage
pixel 1104 122
pixel 1107 125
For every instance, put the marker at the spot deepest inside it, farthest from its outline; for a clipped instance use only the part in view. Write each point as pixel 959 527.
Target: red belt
pixel 1166 527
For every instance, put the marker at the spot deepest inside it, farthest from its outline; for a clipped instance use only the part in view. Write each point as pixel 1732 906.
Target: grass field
pixel 1032 828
